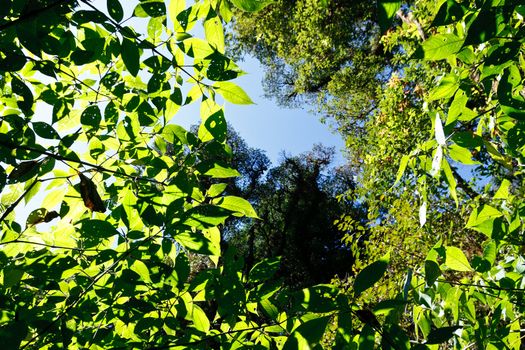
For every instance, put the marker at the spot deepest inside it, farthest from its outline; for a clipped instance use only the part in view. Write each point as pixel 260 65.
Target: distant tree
pixel 324 53
pixel 297 204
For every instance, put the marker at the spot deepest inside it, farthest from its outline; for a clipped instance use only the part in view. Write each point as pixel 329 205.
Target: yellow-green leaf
pixel 232 93
pixel 456 259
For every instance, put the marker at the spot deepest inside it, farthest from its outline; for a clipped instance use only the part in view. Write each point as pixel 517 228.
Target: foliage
pixel 126 195
pixel 461 72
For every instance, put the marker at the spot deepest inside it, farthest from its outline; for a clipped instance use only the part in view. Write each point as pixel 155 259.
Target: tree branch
pixel 31 14
pixel 464 185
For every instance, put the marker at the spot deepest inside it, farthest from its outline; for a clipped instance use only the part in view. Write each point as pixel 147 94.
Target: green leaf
pixel 490 252
pixel 366 338
pixel 216 189
pixel 237 205
pixel 308 334
pixel 439 47
pixel 446 88
pixel 461 154
pixel 512 103
pixel 451 180
pixel 97 229
pixel 45 130
pixel 482 214
pixel 441 335
pixel 131 56
pixel 216 125
pixel 23 90
pixel 91 116
pixel 432 272
pixel 141 269
pixel 270 309
pixel 232 93
pixel 214 32
pixel 371 274
pixel 264 270
pixel 200 320
pixel 251 5
pixel 152 8
pixel 386 11
pixel 402 167
pixel 216 170
pixel 503 190
pixel 456 259
pixel 115 10
pixel 485 26
pixel 24 171
pixel 12 276
pixel 449 12
pixel 196 241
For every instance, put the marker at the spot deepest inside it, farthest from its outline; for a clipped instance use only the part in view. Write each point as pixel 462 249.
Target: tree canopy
pixel 121 195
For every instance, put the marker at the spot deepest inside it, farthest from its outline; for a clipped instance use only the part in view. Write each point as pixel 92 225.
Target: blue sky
pixel 272 128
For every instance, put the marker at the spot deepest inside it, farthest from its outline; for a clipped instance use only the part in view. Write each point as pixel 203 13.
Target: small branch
pixel 48 245
pixel 32 13
pixel 81 162
pixel 13 206
pixel 464 185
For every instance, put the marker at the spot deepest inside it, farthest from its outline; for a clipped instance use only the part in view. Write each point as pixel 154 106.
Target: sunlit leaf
pixel 456 260
pixel 237 205
pixel 251 5
pixel 440 46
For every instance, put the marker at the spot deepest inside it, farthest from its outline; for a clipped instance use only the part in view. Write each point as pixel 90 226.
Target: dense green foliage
pixel 122 196
pixel 458 67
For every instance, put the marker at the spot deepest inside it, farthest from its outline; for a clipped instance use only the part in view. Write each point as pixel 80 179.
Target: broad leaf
pixel 371 274
pixel 456 260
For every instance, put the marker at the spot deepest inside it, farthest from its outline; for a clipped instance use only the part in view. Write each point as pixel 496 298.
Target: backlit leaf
pixel 232 93
pixel 237 205
pixel 456 259
pixel 440 46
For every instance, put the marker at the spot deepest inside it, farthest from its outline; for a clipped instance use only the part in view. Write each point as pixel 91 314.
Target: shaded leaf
pixel 115 10
pixel 131 56
pixel 386 11
pixel 371 275
pixel 97 229
pixel 45 130
pixel 264 269
pixel 41 215
pixel 24 171
pixel 441 335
